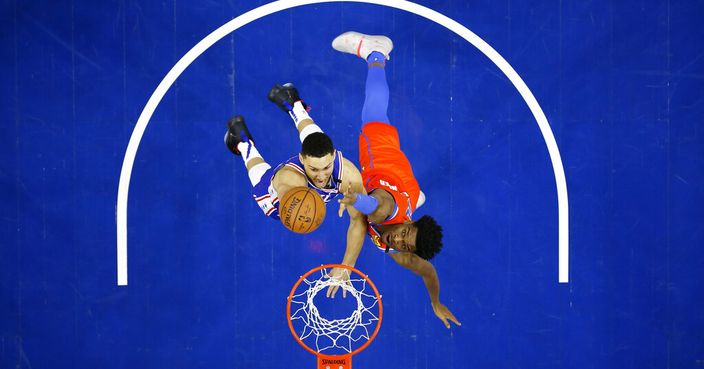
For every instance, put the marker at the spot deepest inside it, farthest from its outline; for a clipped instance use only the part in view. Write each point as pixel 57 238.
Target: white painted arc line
pixel 264 10
pixel 554 152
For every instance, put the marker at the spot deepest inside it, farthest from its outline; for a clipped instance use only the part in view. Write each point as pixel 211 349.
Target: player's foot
pixel 236 132
pixel 285 96
pixel 362 45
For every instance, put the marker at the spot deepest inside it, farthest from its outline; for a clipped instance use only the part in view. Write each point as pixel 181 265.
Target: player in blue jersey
pixel 393 191
pixel 318 166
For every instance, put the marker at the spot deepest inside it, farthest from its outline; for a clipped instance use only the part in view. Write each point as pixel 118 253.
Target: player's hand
pixel 444 314
pixel 349 199
pixel 342 274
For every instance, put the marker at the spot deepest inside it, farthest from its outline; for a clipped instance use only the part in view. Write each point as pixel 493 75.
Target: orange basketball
pixel 302 210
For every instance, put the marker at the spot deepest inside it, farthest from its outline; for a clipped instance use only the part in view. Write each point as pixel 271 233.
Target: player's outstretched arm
pixel 381 207
pixel 355 239
pixel 426 270
pixel 357 230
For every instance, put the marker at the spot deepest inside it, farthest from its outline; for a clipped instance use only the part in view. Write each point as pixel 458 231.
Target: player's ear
pixel 300 158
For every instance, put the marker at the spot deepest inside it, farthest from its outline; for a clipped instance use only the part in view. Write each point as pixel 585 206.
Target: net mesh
pixel 335 334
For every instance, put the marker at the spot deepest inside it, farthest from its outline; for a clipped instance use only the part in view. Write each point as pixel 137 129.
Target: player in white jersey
pixel 318 166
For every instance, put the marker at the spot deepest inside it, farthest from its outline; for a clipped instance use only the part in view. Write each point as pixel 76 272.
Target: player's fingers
pixel 444 321
pixel 452 317
pixel 329 292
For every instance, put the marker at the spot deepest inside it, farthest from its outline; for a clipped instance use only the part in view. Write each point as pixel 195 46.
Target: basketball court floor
pixel 620 84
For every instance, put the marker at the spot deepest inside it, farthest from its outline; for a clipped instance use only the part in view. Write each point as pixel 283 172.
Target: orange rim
pixel 352 269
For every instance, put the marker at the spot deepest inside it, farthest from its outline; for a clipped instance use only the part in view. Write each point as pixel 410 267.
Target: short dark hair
pixel 317 145
pixel 428 237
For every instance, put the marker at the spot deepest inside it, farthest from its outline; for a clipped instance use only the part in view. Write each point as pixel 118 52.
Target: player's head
pixel 423 237
pixel 318 156
pixel 400 237
pixel 428 237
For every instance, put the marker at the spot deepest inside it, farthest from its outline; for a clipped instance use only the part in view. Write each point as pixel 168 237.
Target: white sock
pixel 248 151
pixel 299 113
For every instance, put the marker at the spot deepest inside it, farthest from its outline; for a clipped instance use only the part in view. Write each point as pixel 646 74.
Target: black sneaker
pixel 236 132
pixel 285 96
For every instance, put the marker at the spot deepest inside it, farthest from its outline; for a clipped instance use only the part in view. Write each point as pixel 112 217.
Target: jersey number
pixel 387 184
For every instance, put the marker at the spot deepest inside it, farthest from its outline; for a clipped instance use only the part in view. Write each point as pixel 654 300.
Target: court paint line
pixel 277 6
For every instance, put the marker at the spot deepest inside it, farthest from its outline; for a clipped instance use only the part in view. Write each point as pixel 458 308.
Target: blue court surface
pixel 620 82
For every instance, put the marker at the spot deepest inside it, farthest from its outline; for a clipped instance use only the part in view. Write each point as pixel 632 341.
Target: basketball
pixel 302 210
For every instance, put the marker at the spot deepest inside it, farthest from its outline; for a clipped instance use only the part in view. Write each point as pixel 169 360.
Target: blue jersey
pixel 267 198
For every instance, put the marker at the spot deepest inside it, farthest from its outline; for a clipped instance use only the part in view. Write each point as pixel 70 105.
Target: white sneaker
pixel 362 45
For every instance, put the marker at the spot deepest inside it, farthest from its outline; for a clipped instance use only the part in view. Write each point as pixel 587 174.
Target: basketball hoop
pixel 334 341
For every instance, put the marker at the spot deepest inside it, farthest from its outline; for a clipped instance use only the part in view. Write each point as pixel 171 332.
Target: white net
pixel 329 336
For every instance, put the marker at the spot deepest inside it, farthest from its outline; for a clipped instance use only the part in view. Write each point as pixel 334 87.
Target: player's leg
pixel 375 50
pixel 240 142
pixel 376 91
pixel 287 98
